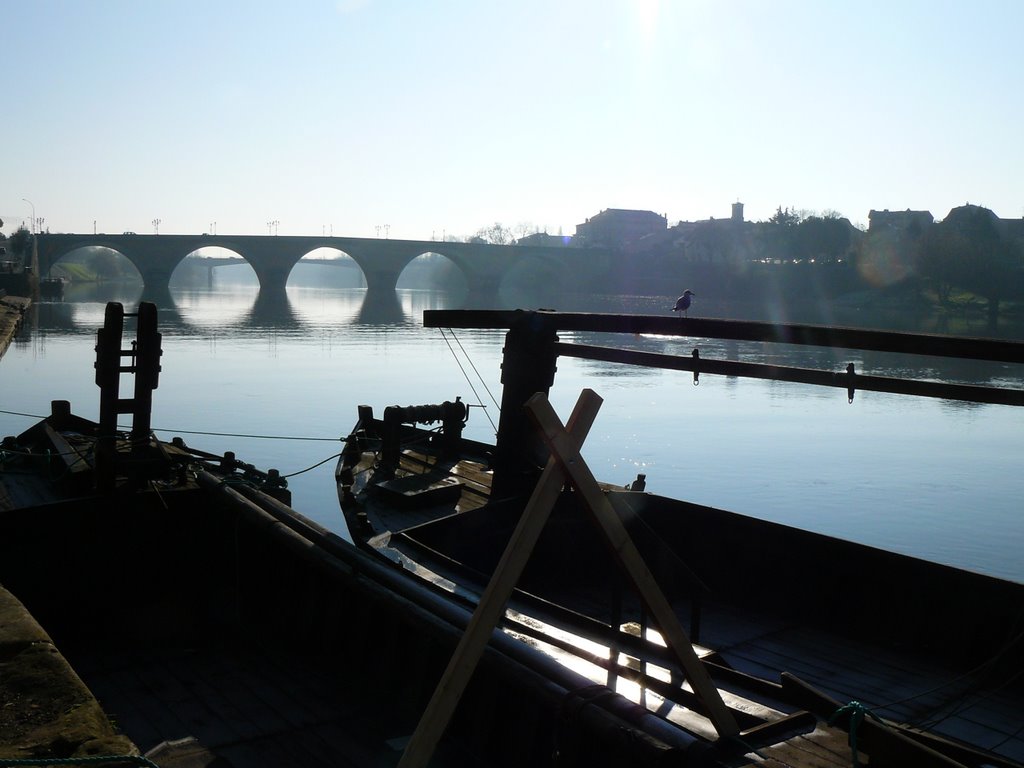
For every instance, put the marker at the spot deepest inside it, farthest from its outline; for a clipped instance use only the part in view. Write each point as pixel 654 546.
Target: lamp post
pixel 33 220
pixel 156 226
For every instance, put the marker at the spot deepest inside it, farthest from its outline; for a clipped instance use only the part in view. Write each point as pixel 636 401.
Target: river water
pixel 279 385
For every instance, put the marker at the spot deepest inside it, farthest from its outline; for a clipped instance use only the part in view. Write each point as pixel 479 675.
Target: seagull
pixel 684 301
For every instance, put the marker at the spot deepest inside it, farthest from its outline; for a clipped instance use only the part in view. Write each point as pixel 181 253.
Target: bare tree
pixel 496 234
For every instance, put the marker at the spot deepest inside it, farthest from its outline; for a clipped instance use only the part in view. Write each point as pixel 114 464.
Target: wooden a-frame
pixel 565 464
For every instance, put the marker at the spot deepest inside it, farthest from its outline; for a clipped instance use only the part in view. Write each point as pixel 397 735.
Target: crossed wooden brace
pixel 565 463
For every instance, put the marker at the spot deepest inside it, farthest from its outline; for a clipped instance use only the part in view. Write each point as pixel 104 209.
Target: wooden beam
pixel 839 379
pixel 565 450
pixel 972 348
pixel 495 597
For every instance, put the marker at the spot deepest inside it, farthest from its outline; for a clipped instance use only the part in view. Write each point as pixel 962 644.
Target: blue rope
pixel 856 711
pixel 134 759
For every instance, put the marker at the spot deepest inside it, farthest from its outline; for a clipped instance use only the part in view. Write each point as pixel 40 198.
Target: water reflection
pixel 242 307
pixel 272 311
pixel 884 471
pixel 381 308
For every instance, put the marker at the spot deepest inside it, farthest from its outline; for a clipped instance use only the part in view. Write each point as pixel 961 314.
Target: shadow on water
pixel 159 295
pixel 381 308
pixel 272 310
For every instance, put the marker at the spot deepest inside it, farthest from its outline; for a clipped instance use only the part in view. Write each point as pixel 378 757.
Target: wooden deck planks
pixel 825 747
pixel 247 709
pixel 898 685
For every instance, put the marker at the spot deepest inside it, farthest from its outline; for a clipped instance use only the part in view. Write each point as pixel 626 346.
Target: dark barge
pixel 795 630
pixel 171 604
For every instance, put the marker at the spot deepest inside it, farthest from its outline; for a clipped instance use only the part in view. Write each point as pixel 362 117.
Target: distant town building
pixel 543 238
pixel 619 228
pixel 908 221
pixel 714 240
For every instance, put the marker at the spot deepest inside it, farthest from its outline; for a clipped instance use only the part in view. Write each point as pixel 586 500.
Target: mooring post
pixel 146 364
pixel 528 367
pixel 108 379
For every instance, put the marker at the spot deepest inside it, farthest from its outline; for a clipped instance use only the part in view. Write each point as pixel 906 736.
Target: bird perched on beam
pixel 683 302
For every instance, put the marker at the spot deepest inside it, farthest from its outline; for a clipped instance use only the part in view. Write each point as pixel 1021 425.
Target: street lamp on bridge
pixel 156 226
pixel 32 221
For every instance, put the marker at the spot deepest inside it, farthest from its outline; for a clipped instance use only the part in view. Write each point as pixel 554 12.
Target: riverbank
pixel 12 312
pixel 45 708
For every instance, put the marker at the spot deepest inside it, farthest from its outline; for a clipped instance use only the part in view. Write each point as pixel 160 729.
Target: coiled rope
pixel 856 711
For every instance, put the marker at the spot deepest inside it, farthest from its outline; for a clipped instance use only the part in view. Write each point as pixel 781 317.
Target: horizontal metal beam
pixel 840 380
pixel 971 348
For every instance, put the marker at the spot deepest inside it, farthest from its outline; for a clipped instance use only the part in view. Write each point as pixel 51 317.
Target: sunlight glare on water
pixel 931 478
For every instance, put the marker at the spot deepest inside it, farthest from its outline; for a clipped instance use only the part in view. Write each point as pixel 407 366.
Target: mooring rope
pixel 856 711
pixel 199 432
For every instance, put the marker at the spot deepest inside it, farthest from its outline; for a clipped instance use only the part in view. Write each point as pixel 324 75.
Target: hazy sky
pixel 446 116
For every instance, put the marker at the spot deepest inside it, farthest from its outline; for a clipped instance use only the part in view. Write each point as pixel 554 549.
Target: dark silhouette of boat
pixel 755 641
pixel 52 287
pixel 164 605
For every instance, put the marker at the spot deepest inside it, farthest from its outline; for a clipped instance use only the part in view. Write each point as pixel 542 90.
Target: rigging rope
pixel 213 434
pixel 481 378
pixel 466 376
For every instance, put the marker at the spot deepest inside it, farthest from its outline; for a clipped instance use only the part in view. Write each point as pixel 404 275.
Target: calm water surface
pixel 935 479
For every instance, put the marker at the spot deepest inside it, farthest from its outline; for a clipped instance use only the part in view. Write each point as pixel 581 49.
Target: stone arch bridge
pixel 272 257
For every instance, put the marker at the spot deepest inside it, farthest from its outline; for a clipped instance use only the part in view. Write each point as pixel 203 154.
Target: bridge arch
pixel 534 280
pixel 272 258
pixel 202 267
pixel 326 267
pixel 105 263
pixel 434 271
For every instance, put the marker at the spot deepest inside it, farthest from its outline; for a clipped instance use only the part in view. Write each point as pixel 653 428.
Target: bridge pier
pixel 380 282
pixel 483 289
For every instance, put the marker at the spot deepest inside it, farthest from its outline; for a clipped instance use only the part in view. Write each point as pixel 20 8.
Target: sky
pixel 420 120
